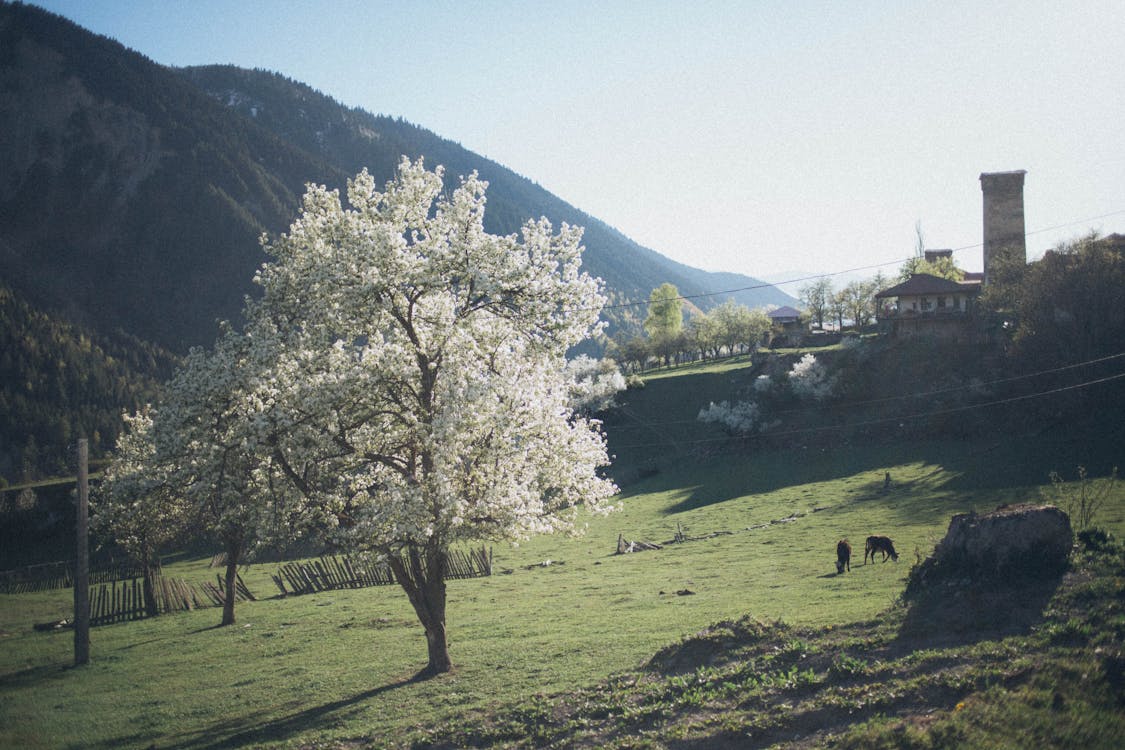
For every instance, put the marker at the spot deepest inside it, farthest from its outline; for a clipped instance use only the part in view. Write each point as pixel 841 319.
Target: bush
pixel 742 416
pixel 810 379
pixel 1083 498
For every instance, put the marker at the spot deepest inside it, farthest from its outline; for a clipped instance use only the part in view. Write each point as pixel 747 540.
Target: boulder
pixel 1011 542
pixel 992 573
pixel 1009 539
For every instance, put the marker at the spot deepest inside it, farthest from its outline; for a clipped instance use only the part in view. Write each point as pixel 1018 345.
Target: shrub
pixel 1083 498
pixel 810 379
pixel 742 416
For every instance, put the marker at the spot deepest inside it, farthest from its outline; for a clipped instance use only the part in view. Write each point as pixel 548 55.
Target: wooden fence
pixel 331 573
pixel 121 601
pixel 60 575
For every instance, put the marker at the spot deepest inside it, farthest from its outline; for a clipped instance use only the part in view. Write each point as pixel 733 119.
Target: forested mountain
pixel 59 382
pixel 352 139
pixel 132 195
pixel 129 198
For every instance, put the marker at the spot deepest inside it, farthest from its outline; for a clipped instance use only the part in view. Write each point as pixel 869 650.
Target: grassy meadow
pixel 559 613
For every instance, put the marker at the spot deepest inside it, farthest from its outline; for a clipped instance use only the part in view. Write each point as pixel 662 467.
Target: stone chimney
pixel 1004 232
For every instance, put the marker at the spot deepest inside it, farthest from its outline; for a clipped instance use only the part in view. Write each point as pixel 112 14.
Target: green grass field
pixel 559 613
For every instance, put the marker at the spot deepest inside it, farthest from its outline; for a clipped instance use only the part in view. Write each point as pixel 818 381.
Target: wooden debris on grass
pixel 624 546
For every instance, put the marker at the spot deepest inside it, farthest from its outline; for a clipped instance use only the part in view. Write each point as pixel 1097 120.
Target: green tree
pixel 817 299
pixel 838 308
pixel 942 267
pixel 858 299
pixel 665 312
pixel 1070 305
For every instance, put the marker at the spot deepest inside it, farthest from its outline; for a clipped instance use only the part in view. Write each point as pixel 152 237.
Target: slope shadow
pixel 722 480
pixel 997 464
pixel 966 611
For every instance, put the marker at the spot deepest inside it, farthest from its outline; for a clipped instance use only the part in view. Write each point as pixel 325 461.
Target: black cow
pixel 879 544
pixel 843 556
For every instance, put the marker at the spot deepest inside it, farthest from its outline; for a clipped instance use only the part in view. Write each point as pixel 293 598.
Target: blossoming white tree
pixel 213 437
pixel 810 379
pixel 404 373
pixel 136 504
pixel 593 383
pixel 741 416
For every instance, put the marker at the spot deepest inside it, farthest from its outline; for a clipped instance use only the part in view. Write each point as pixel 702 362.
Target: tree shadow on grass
pixel 1002 467
pixel 254 729
pixel 34 677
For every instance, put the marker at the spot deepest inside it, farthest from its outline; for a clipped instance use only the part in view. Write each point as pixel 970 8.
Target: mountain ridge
pixel 133 195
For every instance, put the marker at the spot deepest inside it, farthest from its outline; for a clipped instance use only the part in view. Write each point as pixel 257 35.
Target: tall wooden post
pixel 82 562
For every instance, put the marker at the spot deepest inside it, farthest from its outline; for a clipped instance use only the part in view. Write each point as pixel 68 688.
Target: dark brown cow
pixel 879 544
pixel 843 556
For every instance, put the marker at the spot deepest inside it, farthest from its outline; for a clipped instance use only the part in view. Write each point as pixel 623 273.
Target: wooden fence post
pixel 82 562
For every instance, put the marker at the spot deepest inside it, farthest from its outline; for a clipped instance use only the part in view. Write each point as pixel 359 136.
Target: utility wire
pixel 857 269
pixel 920 394
pixel 898 418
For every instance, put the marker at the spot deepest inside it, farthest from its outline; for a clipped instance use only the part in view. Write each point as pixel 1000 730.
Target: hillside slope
pixel 1037 661
pixel 128 198
pixel 133 195
pixel 353 139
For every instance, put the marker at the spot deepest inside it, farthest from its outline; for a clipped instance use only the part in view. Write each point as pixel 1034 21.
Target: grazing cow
pixel 843 556
pixel 880 544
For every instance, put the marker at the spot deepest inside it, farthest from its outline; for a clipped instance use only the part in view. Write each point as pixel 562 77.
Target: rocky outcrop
pixel 1011 542
pixel 1009 538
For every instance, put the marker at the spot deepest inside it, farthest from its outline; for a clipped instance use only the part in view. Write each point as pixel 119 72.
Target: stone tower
pixel 1004 232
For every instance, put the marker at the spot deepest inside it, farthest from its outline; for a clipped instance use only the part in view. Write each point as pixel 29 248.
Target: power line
pixel 857 269
pixel 898 418
pixel 919 394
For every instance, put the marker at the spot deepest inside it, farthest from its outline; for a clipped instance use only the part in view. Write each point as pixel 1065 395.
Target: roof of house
pixel 924 283
pixel 784 312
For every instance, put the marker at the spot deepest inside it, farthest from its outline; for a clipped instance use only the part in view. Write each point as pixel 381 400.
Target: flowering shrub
pixel 810 379
pixel 742 416
pixel 594 383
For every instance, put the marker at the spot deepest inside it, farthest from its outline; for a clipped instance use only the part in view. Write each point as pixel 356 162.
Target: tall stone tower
pixel 1004 232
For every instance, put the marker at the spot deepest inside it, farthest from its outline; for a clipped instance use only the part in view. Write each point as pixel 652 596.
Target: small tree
pixel 706 332
pixel 665 313
pixel 217 432
pixel 1070 305
pixel 943 267
pixel 817 298
pixel 634 352
pixel 1083 498
pixel 593 384
pixel 810 379
pixel 858 300
pixel 838 307
pixel 741 417
pixel 136 504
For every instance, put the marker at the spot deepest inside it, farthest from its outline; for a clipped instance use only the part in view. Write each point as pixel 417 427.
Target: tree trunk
pixel 423 580
pixel 233 554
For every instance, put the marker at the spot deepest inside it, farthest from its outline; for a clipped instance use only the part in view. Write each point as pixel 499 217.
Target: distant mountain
pixel 352 139
pixel 128 197
pixel 132 195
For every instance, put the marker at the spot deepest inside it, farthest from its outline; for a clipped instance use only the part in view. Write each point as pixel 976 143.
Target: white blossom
pixel 810 379
pixel 741 416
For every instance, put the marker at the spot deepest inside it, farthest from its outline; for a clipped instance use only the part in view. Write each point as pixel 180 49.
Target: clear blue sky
pixel 757 137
